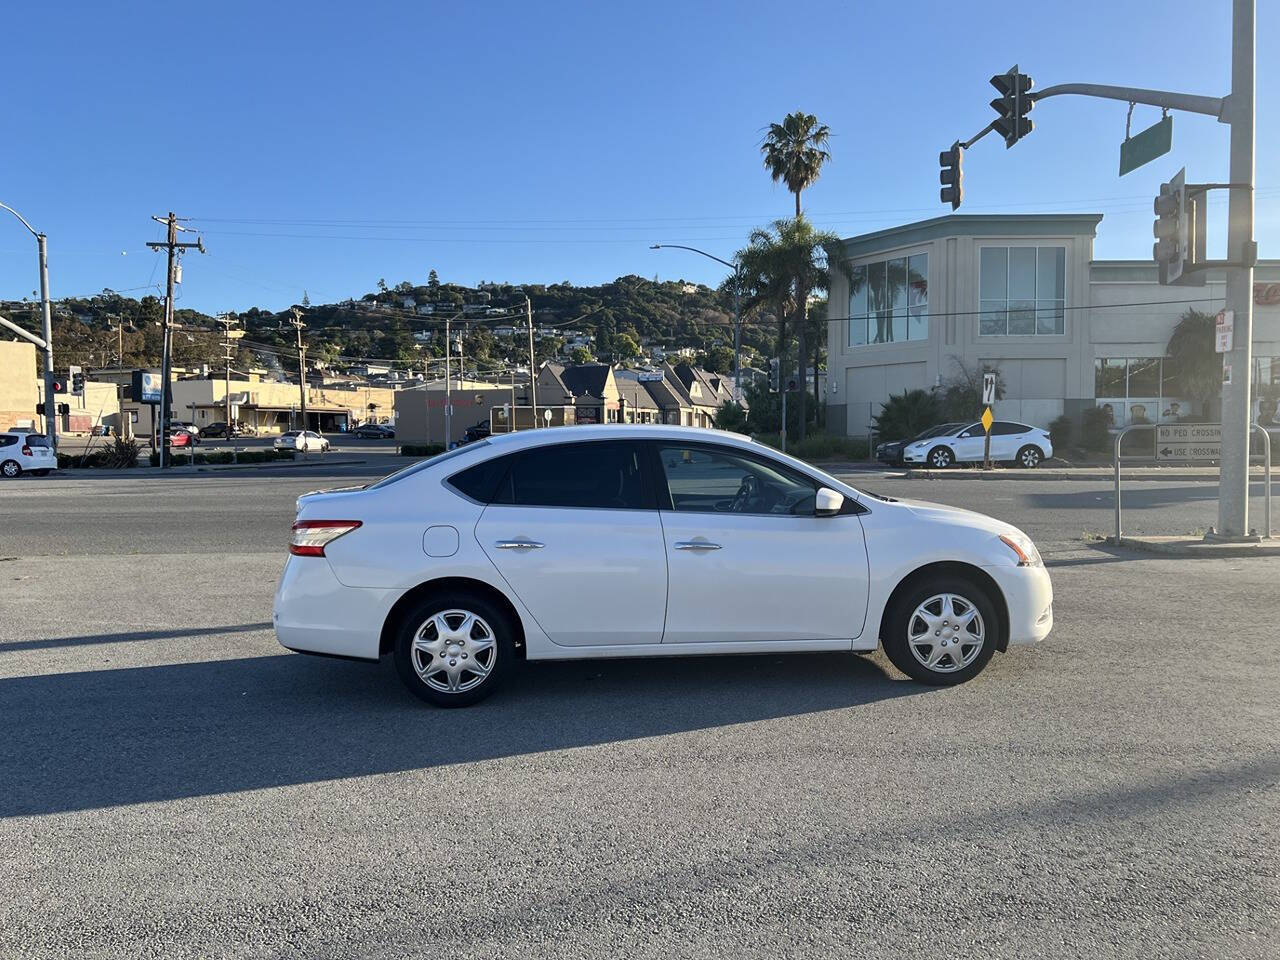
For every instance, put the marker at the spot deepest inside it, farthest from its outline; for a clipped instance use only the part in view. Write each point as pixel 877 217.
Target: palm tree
pixel 1191 361
pixel 781 266
pixel 794 151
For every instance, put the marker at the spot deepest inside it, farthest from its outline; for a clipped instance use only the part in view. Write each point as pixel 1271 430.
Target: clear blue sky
pixel 322 146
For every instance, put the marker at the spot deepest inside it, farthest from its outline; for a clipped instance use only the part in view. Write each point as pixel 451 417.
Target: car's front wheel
pixel 941 457
pixel 942 631
pixel 11 469
pixel 1029 457
pixel 454 651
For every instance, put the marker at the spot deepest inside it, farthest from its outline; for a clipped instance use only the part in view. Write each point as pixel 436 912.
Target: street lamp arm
pixel 680 246
pixel 21 219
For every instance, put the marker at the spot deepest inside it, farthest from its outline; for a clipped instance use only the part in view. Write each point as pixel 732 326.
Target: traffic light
pixel 1013 105
pixel 40 409
pixel 59 385
pixel 77 381
pixel 775 375
pixel 64 409
pixel 951 175
pixel 1175 229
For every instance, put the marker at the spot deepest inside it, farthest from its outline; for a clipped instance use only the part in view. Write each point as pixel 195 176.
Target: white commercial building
pixel 1023 294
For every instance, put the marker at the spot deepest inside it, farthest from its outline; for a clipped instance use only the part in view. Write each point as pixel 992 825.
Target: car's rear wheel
pixel 942 631
pixel 1029 457
pixel 941 457
pixel 11 469
pixel 454 651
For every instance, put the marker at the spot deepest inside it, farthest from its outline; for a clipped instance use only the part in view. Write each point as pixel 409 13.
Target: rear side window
pixel 480 482
pixel 605 475
pixel 37 440
pixel 7 440
pixel 1005 428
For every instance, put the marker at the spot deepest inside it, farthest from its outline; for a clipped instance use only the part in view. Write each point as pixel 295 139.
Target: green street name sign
pixel 1152 142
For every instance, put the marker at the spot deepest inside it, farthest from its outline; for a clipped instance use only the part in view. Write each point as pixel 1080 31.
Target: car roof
pixel 614 431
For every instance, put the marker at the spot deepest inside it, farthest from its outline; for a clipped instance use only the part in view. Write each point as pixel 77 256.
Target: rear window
pixel 36 440
pixel 424 464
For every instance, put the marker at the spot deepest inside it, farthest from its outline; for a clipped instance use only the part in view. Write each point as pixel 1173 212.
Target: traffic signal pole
pixel 46 313
pixel 1236 109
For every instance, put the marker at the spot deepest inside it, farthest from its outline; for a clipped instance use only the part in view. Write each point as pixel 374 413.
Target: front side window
pixel 604 475
pixel 889 300
pixel 1022 291
pixel 708 480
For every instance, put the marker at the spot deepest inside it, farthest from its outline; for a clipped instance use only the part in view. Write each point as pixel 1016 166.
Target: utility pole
pixel 227 323
pixel 174 249
pixel 1242 252
pixel 533 367
pixel 448 381
pixel 298 325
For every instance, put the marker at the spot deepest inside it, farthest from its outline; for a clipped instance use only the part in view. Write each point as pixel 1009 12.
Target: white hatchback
pixel 26 453
pixel 1011 442
pixel 624 541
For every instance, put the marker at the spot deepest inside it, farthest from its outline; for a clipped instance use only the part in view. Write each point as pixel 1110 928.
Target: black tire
pixel 417 620
pixel 1030 457
pixel 11 469
pixel 940 457
pixel 899 623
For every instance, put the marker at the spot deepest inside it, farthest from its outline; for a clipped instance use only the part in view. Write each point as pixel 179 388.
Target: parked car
pixel 644 540
pixel 219 429
pixel 373 431
pixel 25 452
pixel 891 452
pixel 305 440
pixel 181 438
pixel 1018 443
pixel 477 431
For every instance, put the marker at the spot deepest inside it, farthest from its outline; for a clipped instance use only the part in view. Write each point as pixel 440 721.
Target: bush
pixel 731 416
pixel 821 446
pixel 1061 432
pixel 1093 429
pixel 421 449
pixel 905 414
pixel 182 457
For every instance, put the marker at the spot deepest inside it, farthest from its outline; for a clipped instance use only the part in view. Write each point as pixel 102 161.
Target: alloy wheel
pixel 1030 457
pixel 11 469
pixel 946 633
pixel 454 651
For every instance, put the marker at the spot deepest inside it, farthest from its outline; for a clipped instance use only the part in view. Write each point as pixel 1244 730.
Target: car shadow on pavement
pixel 77 741
pixel 47 643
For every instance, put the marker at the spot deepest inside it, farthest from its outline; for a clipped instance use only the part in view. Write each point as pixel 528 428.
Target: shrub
pixel 1093 429
pixel 820 446
pixel 421 449
pixel 1061 432
pixel 731 416
pixel 905 414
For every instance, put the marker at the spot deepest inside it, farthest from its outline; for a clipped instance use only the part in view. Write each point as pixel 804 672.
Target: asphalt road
pixel 172 784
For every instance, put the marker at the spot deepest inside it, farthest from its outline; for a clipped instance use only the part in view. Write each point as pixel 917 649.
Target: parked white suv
pixel 28 452
pixel 1011 442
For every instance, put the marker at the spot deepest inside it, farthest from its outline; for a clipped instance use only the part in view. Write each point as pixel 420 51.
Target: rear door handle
pixel 696 545
pixel 519 545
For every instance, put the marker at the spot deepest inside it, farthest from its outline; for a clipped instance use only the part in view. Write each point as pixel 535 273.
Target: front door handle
pixel 696 545
pixel 519 545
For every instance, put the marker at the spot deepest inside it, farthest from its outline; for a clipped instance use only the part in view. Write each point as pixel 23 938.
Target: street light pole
pixel 50 402
pixel 737 309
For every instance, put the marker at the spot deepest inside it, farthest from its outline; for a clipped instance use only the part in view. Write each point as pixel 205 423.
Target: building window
pixel 1022 291
pixel 1137 390
pixel 889 301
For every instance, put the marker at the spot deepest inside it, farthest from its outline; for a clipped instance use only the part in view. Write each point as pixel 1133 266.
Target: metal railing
pixel 1266 473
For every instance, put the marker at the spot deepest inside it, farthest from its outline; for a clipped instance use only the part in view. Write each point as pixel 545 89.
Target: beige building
pixel 419 411
pixel 18 394
pixel 269 408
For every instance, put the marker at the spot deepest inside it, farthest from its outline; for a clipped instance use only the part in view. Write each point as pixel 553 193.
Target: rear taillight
pixel 310 537
pixel 26 451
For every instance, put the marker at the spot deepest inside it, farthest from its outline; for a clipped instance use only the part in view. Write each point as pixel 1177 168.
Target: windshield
pixel 939 430
pixel 424 464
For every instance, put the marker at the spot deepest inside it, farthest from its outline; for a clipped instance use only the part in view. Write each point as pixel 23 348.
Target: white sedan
pixel 626 541
pixel 301 440
pixel 1011 442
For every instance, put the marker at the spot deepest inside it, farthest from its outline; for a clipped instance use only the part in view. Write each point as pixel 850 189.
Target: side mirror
pixel 827 502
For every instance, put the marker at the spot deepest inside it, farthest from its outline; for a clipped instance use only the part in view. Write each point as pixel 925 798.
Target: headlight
pixel 1024 549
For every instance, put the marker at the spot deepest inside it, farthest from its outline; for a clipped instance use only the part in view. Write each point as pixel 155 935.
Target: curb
pixel 78 473
pixel 204 468
pixel 1084 473
pixel 1194 548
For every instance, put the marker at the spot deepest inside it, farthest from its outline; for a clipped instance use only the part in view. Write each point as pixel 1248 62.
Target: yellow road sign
pixel 987 419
